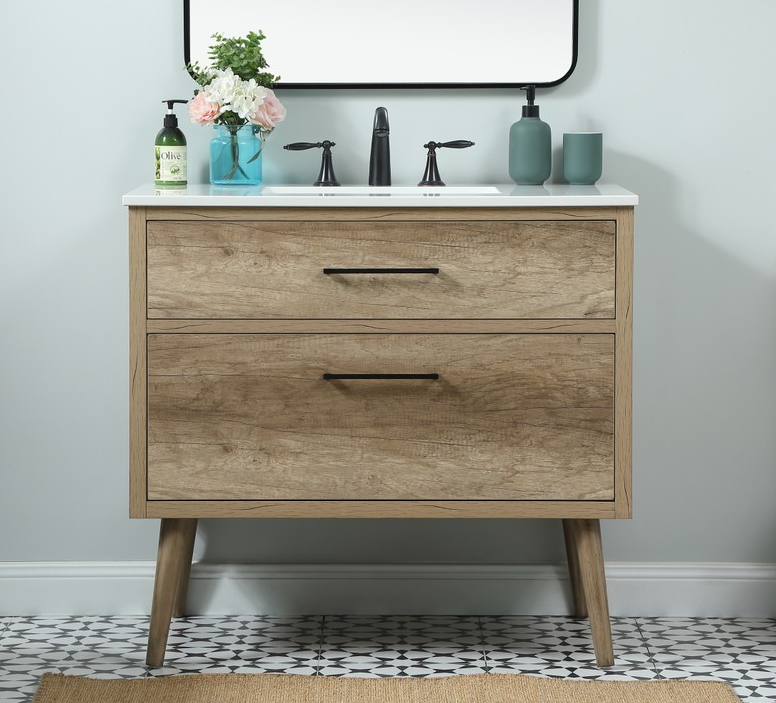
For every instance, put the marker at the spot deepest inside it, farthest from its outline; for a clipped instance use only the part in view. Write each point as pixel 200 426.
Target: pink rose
pixel 270 112
pixel 203 111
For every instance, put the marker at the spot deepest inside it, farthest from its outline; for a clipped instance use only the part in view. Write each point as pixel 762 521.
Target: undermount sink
pixel 381 190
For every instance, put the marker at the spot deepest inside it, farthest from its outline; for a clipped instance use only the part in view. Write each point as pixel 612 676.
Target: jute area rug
pixel 281 688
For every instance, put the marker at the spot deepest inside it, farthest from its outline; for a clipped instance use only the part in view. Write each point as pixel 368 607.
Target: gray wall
pixel 684 95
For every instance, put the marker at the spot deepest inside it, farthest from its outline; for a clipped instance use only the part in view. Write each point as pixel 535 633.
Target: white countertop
pixel 500 195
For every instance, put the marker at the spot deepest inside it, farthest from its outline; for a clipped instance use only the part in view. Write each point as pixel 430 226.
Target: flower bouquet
pixel 236 97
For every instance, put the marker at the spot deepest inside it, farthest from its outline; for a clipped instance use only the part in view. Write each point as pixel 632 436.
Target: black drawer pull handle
pixel 330 271
pixel 386 376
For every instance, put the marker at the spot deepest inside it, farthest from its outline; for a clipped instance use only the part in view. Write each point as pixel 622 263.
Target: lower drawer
pixel 508 417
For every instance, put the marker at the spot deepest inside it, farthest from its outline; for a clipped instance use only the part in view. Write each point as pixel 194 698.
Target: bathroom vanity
pixel 394 353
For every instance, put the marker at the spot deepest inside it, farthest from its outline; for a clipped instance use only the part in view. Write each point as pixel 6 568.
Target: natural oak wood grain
pixel 575 575
pixel 586 538
pixel 372 509
pixel 137 362
pixel 624 363
pixel 189 535
pixel 378 214
pixel 174 538
pixel 547 269
pixel 594 326
pixel 250 417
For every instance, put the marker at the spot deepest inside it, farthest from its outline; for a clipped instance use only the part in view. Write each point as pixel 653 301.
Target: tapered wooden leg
pixel 179 610
pixel 577 592
pixel 586 535
pixel 174 538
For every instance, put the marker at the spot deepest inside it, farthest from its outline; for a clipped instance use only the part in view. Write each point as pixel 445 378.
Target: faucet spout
pixel 380 157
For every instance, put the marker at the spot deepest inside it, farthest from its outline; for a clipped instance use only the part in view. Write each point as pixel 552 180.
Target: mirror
pixel 400 44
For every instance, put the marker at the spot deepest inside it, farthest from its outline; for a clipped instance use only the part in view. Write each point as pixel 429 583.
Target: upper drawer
pixel 275 270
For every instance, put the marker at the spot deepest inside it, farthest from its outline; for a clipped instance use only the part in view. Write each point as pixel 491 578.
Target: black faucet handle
pixel 455 144
pixel 458 144
pixel 326 177
pixel 301 146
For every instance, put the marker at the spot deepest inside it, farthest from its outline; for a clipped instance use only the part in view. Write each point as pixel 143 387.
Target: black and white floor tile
pixel 401 646
pixel 243 644
pixel 562 647
pixel 741 651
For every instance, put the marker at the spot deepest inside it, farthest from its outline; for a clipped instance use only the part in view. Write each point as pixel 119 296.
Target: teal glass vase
pixel 235 155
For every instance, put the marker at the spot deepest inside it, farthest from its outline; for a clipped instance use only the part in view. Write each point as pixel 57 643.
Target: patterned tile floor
pixel 741 651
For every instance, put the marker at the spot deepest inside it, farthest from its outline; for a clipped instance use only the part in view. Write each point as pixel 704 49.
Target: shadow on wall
pixel 411 541
pixel 389 567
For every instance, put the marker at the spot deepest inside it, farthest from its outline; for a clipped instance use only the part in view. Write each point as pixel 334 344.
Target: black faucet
pixel 380 158
pixel 326 177
pixel 431 174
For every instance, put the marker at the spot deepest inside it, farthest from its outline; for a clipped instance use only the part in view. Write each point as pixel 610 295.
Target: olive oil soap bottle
pixel 170 150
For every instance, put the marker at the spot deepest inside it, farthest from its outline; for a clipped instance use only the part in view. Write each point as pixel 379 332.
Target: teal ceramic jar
pixel 530 149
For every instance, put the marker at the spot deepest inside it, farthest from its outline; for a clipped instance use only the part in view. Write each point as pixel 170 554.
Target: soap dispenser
pixel 170 150
pixel 530 145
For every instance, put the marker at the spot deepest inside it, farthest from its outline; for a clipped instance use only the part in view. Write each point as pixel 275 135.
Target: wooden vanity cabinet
pixel 381 362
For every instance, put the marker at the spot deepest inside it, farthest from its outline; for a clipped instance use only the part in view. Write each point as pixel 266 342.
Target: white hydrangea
pixel 234 94
pixel 248 96
pixel 222 87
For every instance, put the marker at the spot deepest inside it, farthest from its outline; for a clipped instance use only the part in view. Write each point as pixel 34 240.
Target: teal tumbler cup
pixel 582 157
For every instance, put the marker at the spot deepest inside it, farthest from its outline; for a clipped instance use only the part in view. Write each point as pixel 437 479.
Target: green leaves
pixel 242 54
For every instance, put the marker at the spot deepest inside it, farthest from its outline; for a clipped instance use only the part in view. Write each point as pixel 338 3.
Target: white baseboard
pixel 124 588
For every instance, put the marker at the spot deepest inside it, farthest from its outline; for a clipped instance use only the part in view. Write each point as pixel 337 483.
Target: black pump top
pixel 170 120
pixel 530 110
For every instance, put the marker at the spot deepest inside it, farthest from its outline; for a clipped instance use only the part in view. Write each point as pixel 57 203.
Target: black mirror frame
pixel 516 84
